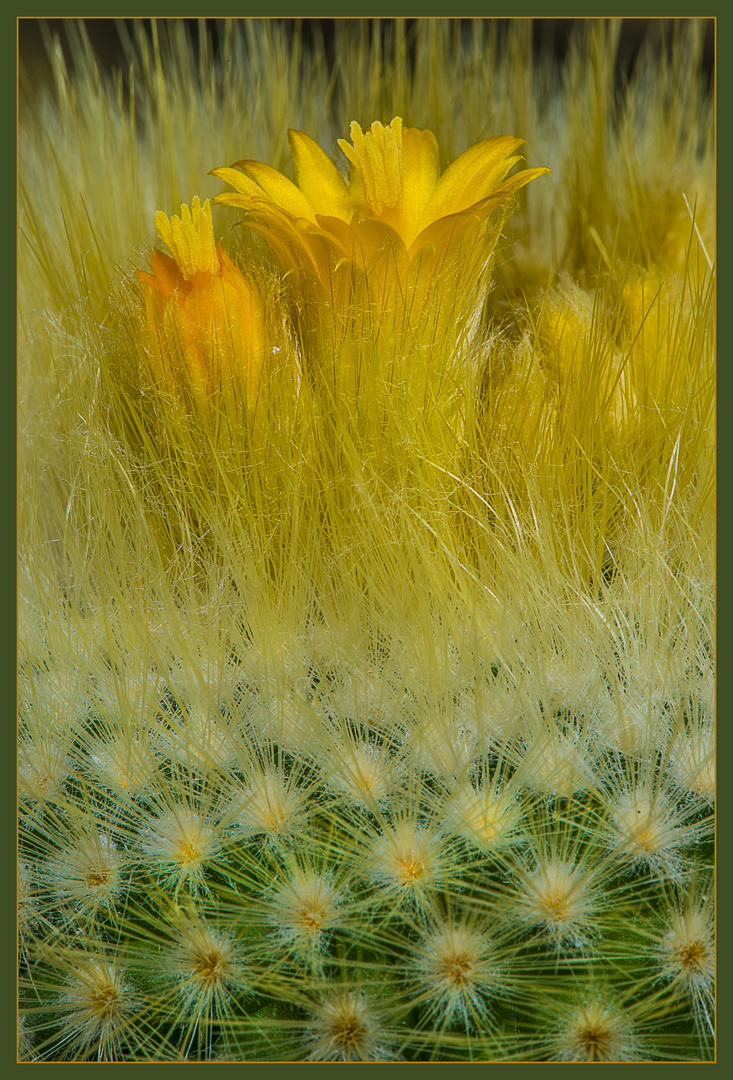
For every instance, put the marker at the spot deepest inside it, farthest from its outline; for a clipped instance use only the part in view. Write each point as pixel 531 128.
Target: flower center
pixel 692 956
pixel 556 902
pixel 190 238
pixel 457 969
pixel 189 851
pixel 312 918
pixel 595 1041
pixel 410 867
pixel 210 966
pixel 377 159
pixel 96 879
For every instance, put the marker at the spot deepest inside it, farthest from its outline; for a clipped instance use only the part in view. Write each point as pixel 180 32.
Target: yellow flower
pixel 205 321
pixel 396 198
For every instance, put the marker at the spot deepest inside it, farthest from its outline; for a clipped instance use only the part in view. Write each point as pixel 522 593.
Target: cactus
pixel 365 610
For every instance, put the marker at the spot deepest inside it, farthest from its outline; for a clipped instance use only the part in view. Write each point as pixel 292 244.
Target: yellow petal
pixel 241 183
pixel 420 171
pixel 282 191
pixel 379 238
pixel 339 233
pixel 445 229
pixel 258 206
pixel 519 180
pixel 278 189
pixel 472 176
pixel 441 233
pixel 318 178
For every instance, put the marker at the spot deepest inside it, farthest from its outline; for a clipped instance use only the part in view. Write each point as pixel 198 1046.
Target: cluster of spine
pixel 264 855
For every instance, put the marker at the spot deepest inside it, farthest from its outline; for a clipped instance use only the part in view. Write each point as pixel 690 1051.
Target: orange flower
pixel 396 198
pixel 205 320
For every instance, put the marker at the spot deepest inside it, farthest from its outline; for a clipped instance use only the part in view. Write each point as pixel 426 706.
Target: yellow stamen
pixel 190 238
pixel 377 157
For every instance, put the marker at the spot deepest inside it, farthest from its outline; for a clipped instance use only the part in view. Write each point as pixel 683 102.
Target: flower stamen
pixel 377 159
pixel 190 238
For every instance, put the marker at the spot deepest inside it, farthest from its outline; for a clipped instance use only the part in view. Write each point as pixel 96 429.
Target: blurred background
pixel 108 37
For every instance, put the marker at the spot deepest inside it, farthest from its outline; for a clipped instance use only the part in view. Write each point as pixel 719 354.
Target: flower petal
pixel 446 228
pixel 339 232
pixel 241 183
pixel 441 233
pixel 166 277
pixel 420 172
pixel 264 179
pixel 514 183
pixel 318 178
pixel 472 176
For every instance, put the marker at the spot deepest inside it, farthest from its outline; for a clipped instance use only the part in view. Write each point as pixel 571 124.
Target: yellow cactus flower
pixel 205 321
pixel 396 198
